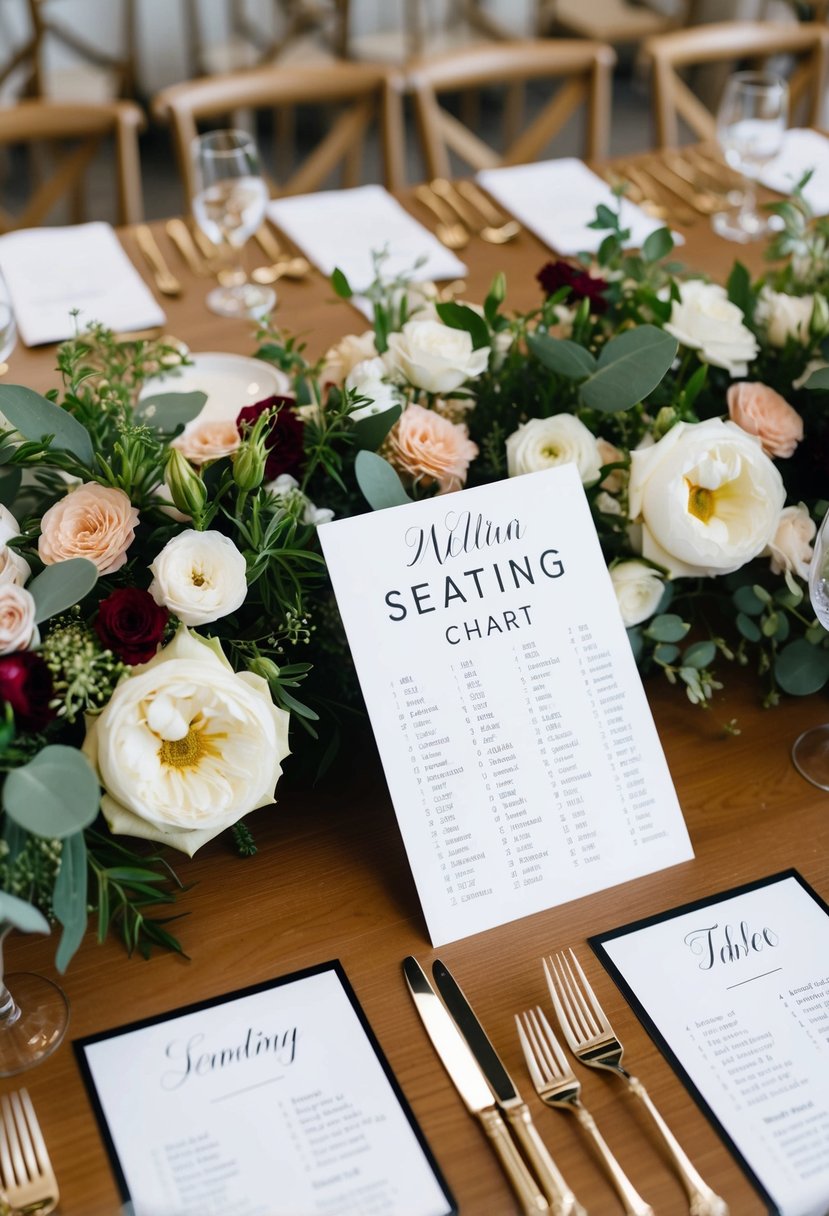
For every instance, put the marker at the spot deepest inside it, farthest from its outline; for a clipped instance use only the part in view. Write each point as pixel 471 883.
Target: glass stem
pixel 233 274
pixel 748 207
pixel 9 1009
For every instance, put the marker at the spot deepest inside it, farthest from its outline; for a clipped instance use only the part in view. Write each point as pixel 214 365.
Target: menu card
pixel 274 1101
pixel 517 742
pixel 735 991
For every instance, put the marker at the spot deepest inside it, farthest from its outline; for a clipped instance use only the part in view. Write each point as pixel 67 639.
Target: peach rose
pixel 425 447
pixel 208 440
pixel 761 411
pixel 791 548
pixel 17 618
pixel 92 521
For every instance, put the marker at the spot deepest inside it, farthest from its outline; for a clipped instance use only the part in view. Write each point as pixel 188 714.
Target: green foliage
pixel 56 794
pixel 379 483
pixel 62 585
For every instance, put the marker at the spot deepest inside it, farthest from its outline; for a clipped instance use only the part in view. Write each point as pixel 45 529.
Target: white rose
pixel 542 443
pixel 349 351
pixel 17 618
pixel 13 567
pixel 366 379
pixel 185 746
pixel 435 357
pixel 784 316
pixel 707 496
pixel 705 320
pixel 200 576
pixel 791 546
pixel 638 590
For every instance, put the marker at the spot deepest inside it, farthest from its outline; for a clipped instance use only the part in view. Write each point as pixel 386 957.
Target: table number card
pixel 274 1101
pixel 516 739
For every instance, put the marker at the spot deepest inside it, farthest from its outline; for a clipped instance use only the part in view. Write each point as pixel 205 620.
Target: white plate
pixel 230 381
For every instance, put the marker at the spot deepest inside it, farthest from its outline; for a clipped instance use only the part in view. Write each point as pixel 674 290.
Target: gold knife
pixel 179 234
pixel 471 1084
pixel 165 280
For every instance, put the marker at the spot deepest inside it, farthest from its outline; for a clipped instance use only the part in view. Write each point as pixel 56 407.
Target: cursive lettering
pixel 730 945
pixel 461 532
pixel 190 1061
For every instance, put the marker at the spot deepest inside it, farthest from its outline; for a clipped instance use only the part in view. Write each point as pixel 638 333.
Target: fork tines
pixel 546 1061
pixel 582 1017
pixel 25 1169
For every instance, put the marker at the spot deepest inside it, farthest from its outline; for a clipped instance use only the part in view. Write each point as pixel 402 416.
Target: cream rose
pixel 542 443
pixel 707 496
pixel 761 411
pixel 203 441
pixel 200 576
pixel 705 320
pixel 13 567
pixel 791 547
pixel 17 618
pixel 342 358
pixel 435 357
pixel 366 379
pixel 784 316
pixel 638 588
pixel 185 746
pixel 92 521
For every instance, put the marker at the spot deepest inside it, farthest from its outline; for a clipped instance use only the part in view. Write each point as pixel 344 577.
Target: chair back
pixel 362 93
pixel 73 136
pixel 583 68
pixel 753 41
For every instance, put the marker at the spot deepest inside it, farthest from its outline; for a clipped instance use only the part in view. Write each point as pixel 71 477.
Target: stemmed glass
pixel 811 749
pixel 8 329
pixel 751 120
pixel 229 205
pixel 34 1015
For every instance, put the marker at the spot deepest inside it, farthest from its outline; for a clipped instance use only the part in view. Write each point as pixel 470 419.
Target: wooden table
pixel 331 881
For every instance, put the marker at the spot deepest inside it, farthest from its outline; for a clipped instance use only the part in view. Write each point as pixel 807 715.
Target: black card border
pixel 597 942
pixel 80 1046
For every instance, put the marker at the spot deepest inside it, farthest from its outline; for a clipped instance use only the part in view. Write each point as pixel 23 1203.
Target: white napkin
pixel 341 228
pixel 802 149
pixel 52 271
pixel 557 199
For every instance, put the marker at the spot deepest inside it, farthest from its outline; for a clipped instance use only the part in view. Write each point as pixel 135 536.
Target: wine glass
pixel 751 120
pixel 811 749
pixel 8 329
pixel 229 205
pixel 34 1015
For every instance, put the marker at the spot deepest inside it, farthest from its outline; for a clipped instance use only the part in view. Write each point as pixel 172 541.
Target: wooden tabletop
pixel 331 880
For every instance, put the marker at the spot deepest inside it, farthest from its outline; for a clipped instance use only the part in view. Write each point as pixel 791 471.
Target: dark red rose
pixel 579 283
pixel 26 683
pixel 131 624
pixel 286 452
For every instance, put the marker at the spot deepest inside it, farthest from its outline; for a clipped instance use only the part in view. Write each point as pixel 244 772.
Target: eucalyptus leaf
pixel 562 356
pixel 801 669
pixel 665 653
pixel 819 380
pixel 668 627
pixel 34 417
pixel 10 485
pixel 378 482
pixel 746 601
pixel 69 898
pixel 62 585
pixel 55 795
pixel 461 316
pixel 167 411
pixel 748 628
pixel 631 365
pixel 699 655
pixel 369 432
pixel 24 916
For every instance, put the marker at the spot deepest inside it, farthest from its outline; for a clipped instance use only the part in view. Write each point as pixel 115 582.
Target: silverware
pixel 180 235
pixel 681 182
pixel 26 1172
pixel 471 217
pixel 556 1085
pixel 652 199
pixel 562 1200
pixel 165 280
pixel 474 195
pixel 449 230
pixel 471 1085
pixel 283 265
pixel 592 1040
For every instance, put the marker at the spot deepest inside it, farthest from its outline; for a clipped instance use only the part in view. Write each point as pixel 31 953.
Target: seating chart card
pixel 517 743
pixel 734 989
pixel 273 1101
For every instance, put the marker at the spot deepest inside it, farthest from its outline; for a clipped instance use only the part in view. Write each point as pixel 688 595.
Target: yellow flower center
pixel 701 502
pixel 189 751
pixel 550 451
pixel 198 578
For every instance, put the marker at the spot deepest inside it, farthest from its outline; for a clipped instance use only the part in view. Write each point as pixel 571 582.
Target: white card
pixel 803 150
pixel 516 739
pixel 271 1102
pixel 735 990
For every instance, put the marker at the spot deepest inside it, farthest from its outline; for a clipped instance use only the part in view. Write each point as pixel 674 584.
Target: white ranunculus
pixel 638 590
pixel 200 576
pixel 185 746
pixel 784 316
pixel 13 567
pixel 542 443
pixel 17 618
pixel 705 320
pixel 366 378
pixel 707 496
pixel 791 546
pixel 435 357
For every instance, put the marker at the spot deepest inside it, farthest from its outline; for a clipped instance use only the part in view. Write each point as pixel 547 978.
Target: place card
pixel 518 746
pixel 273 1101
pixel 60 280
pixel 803 151
pixel 734 989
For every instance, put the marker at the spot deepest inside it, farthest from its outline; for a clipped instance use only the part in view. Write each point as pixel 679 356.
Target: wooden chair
pixel 293 26
pixel 364 93
pixel 614 21
pixel 83 128
pixel 735 41
pixel 583 67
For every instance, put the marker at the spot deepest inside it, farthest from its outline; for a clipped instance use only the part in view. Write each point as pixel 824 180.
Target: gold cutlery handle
pixel 436 205
pixel 562 1200
pixel 463 210
pixel 165 280
pixel 268 243
pixel 522 1182
pixel 632 1201
pixel 474 195
pixel 703 1201
pixel 179 234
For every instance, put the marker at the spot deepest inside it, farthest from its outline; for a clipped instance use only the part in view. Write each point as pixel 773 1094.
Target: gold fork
pixel 556 1085
pixel 592 1040
pixel 25 1169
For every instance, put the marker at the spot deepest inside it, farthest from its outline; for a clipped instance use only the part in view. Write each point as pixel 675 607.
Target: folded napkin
pixel 342 228
pixel 557 199
pixel 802 149
pixel 50 272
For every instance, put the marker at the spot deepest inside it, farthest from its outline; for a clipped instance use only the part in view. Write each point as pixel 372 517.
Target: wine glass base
pixel 810 755
pixel 39 1027
pixel 243 300
pixel 742 226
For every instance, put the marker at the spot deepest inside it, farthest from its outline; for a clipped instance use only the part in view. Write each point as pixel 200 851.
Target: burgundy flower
pixel 26 684
pixel 131 624
pixel 286 451
pixel 579 283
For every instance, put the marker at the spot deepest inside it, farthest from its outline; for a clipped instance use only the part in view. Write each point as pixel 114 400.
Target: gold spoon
pixel 451 233
pixel 477 222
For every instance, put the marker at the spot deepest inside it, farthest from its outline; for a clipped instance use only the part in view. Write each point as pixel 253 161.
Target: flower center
pixel 701 502
pixel 550 451
pixel 189 751
pixel 198 578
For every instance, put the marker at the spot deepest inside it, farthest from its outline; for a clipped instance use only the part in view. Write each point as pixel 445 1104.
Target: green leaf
pixel 668 627
pixel 341 285
pixel 699 655
pixel 33 416
pixel 55 795
pixel 369 432
pixel 378 482
pixel 746 601
pixel 61 585
pixel 460 316
pixel 562 356
pixel 695 384
pixel 10 485
pixel 801 669
pixel 167 411
pixel 658 245
pixel 738 286
pixel 24 916
pixel 495 296
pixel 665 653
pixel 819 380
pixel 636 642
pixel 748 628
pixel 69 898
pixel 631 365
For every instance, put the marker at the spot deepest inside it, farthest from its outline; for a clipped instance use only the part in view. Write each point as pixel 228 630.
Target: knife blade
pixel 471 1085
pixel 165 280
